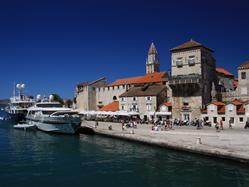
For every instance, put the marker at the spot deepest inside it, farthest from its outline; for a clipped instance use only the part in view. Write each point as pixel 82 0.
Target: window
pixel 243 91
pixel 134 108
pixel 241 119
pixel 122 107
pixel 232 120
pixel 215 119
pixel 114 98
pixel 230 108
pixel 134 98
pixel 243 75
pixel 191 60
pixel 123 99
pixel 185 104
pixel 148 107
pixel 179 62
pixel 223 119
pixel 148 98
pixel 211 107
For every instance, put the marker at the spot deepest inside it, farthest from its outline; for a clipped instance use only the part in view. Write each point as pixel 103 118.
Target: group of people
pixel 196 122
pixel 162 125
pixel 131 124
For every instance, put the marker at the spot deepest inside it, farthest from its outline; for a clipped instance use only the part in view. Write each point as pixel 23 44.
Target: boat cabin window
pixel 48 112
pixel 48 105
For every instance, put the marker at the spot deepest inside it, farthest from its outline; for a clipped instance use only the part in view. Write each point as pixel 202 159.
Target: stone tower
pixel 152 62
pixel 192 74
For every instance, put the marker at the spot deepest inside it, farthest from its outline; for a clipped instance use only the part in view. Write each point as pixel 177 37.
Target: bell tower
pixel 152 62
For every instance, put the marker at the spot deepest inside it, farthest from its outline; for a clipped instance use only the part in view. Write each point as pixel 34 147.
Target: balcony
pixel 184 79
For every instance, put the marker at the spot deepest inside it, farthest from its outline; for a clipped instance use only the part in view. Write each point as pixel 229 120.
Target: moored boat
pixel 53 117
pixel 17 108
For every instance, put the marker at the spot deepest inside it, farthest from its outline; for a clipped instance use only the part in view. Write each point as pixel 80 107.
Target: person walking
pixel 247 124
pixel 230 124
pixel 221 124
pixel 217 127
pixel 123 125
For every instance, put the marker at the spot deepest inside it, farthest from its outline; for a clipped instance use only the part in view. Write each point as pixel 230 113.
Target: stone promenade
pixel 231 144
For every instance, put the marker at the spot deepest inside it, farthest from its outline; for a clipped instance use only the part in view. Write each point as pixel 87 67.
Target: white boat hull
pixel 66 128
pixel 24 126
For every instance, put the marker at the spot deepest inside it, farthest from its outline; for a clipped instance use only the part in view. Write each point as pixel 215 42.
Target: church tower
pixel 152 62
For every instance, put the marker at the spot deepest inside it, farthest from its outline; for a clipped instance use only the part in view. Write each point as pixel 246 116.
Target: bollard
pixel 132 131
pixel 198 140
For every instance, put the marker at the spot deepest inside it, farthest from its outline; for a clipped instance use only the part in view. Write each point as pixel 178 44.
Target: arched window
pixel 114 98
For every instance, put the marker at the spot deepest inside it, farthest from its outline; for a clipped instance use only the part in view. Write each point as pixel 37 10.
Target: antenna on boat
pixel 14 90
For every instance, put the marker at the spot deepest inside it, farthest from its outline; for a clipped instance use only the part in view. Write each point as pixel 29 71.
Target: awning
pixel 161 113
pixel 104 113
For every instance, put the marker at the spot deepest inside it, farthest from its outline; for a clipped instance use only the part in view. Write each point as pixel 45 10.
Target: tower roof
pixel 245 65
pixel 152 49
pixel 188 45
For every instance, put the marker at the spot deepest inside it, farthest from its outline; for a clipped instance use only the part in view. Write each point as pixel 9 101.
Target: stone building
pixel 225 80
pixel 95 95
pixel 86 94
pixel 152 62
pixel 192 75
pixel 241 85
pixel 243 81
pixel 143 99
pixel 234 111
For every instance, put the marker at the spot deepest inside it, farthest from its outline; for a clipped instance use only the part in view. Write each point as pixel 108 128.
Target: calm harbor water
pixel 40 159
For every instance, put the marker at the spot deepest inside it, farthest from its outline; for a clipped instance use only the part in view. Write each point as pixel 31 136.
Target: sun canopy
pixel 161 113
pixel 104 113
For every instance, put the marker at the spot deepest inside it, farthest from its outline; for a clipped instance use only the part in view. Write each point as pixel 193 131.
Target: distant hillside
pixel 4 102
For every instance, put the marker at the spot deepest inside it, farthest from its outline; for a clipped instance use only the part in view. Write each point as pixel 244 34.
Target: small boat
pixel 25 126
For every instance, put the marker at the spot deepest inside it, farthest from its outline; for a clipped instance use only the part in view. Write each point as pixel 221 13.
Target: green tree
pixel 58 98
pixel 68 103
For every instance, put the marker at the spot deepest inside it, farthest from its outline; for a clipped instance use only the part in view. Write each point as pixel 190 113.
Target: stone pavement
pixel 231 144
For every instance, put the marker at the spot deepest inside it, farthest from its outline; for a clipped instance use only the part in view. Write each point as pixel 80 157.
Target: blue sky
pixel 53 45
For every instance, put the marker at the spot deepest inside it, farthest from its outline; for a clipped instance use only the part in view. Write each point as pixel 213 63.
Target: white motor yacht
pixel 53 117
pixel 17 108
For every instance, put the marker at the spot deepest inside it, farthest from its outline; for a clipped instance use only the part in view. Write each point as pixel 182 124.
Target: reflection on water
pixel 40 159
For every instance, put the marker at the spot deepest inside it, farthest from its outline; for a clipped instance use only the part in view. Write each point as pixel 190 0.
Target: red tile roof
pixel 221 109
pixel 204 111
pixel 167 104
pixel 223 71
pixel 111 107
pixel 237 102
pixel 241 109
pixel 188 45
pixel 245 65
pixel 148 78
pixel 218 103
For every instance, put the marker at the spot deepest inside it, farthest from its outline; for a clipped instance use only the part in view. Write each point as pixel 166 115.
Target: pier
pixel 231 144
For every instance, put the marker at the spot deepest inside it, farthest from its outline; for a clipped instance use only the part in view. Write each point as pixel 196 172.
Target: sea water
pixel 38 159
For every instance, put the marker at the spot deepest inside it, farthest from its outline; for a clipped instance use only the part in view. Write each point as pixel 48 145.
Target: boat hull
pixel 55 127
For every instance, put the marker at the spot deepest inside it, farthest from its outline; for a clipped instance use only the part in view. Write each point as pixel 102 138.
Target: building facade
pixel 234 112
pixel 194 85
pixel 192 76
pixel 95 95
pixel 143 99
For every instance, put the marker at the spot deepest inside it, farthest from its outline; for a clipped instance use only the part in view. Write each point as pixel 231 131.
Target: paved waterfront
pixel 228 143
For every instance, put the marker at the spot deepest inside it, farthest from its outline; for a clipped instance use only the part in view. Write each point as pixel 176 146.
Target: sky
pixel 52 45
